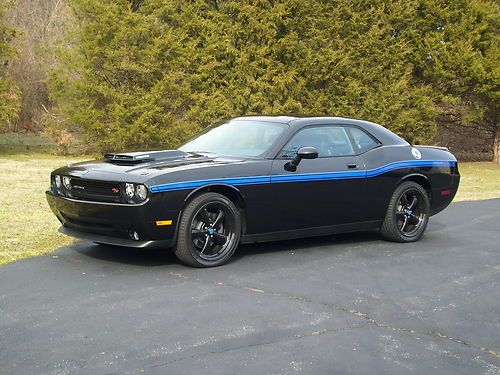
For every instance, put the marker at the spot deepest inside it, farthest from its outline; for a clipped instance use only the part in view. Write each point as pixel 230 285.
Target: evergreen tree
pixel 458 54
pixel 9 95
pixel 151 73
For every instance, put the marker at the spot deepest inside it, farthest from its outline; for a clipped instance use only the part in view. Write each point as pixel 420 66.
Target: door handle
pixel 352 166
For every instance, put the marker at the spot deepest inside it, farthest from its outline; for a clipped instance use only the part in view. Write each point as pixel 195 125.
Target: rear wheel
pixel 408 213
pixel 209 231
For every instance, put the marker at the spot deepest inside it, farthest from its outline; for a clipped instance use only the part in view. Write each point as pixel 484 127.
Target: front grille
pixel 99 191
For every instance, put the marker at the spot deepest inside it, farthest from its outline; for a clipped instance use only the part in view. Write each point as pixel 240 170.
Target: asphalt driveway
pixel 330 305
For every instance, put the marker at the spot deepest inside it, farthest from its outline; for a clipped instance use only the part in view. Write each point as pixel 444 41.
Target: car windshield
pixel 237 138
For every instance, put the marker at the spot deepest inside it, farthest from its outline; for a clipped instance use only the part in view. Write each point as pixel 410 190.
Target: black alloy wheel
pixel 408 213
pixel 209 231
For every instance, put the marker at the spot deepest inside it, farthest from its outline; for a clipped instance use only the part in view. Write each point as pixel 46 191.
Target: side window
pixel 362 141
pixel 328 140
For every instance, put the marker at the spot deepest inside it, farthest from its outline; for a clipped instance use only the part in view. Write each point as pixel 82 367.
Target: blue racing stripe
pixel 252 180
pixel 408 164
pixel 235 181
pixel 318 176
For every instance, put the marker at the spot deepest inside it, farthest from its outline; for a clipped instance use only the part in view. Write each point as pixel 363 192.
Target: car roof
pixel 383 134
pixel 278 119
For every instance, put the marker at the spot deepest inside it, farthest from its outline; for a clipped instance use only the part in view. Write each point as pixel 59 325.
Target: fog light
pixel 142 192
pixel 133 235
pixel 66 182
pixel 129 190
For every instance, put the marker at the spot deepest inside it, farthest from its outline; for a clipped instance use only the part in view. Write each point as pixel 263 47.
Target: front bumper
pixel 113 223
pixel 98 238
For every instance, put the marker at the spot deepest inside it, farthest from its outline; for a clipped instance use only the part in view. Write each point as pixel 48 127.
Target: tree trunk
pixel 496 146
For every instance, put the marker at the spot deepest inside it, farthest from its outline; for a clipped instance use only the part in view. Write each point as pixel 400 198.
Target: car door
pixel 326 191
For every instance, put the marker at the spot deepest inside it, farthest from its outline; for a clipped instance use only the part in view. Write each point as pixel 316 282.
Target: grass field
pixel 479 180
pixel 26 143
pixel 29 228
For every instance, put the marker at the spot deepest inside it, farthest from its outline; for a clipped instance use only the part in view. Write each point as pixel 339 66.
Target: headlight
pixel 66 182
pixel 57 179
pixel 142 192
pixel 129 190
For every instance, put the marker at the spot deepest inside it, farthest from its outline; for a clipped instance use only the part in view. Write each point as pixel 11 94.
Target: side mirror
pixel 302 153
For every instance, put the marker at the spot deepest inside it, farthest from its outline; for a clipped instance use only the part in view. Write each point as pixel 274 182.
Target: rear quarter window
pixel 362 141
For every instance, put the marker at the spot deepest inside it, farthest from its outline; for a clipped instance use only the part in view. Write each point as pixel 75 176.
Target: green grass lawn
pixel 479 180
pixel 29 228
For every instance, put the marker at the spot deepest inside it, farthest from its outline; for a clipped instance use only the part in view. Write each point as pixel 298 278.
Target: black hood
pixel 141 166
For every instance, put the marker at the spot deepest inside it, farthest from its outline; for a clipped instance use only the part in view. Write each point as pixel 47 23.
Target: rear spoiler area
pixel 436 147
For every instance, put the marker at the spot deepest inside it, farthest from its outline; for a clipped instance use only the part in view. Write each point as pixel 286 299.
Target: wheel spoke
pixel 205 245
pixel 413 203
pixel 400 213
pixel 197 233
pixel 405 221
pixel 220 239
pixel 414 219
pixel 219 218
pixel 205 216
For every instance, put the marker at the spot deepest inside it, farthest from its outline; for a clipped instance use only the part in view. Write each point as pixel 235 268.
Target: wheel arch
pixel 229 191
pixel 420 179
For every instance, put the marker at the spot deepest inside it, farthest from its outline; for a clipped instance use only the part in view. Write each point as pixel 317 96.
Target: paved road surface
pixel 331 305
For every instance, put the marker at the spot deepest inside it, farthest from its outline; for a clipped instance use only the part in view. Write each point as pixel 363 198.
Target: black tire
pixel 205 238
pixel 408 213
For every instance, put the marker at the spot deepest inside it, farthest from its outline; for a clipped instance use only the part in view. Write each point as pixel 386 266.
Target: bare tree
pixel 41 22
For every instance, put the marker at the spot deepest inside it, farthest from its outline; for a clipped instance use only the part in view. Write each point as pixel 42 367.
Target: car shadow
pixel 127 255
pixel 163 257
pixel 305 244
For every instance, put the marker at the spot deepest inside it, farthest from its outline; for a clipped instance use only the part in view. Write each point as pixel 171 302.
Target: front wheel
pixel 209 231
pixel 408 213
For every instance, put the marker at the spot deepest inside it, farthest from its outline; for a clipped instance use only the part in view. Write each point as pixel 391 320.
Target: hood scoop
pixel 132 158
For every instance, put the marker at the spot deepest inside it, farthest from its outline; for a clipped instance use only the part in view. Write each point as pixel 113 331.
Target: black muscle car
pixel 256 179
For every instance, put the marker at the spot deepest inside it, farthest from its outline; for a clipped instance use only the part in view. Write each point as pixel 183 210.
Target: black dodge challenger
pixel 255 179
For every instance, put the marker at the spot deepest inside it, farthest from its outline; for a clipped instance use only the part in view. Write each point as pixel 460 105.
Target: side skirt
pixel 310 232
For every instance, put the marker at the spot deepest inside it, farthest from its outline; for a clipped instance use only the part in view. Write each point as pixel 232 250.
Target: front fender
pixel 213 187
